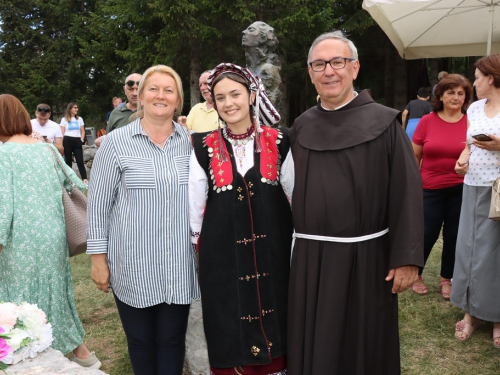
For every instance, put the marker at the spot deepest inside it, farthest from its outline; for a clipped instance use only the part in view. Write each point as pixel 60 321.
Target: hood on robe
pixel 360 121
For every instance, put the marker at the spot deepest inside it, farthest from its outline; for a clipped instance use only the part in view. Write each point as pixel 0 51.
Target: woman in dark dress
pixel 241 222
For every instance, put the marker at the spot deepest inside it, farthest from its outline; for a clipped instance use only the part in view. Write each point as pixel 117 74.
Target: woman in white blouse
pixel 73 131
pixel 476 278
pixel 241 222
pixel 138 226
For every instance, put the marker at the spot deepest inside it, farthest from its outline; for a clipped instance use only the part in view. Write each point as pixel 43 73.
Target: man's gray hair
pixel 339 35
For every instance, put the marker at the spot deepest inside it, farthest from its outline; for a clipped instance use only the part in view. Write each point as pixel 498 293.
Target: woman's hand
pixel 462 164
pixel 461 167
pixel 493 145
pixel 100 272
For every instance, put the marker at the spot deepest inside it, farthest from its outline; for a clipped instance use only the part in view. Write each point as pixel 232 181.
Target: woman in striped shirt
pixel 138 225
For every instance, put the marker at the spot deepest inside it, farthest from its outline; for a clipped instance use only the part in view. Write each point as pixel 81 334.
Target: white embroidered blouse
pixel 198 184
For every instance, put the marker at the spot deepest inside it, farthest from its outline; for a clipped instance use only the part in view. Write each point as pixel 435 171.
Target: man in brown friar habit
pixel 358 216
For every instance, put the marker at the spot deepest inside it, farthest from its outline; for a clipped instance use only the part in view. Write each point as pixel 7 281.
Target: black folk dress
pixel 244 248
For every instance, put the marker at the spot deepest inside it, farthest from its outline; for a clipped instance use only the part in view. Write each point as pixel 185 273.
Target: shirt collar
pixel 136 128
pixel 124 107
pixel 343 105
pixel 205 107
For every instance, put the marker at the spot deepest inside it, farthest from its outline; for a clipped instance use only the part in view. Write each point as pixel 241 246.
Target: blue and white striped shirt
pixel 138 213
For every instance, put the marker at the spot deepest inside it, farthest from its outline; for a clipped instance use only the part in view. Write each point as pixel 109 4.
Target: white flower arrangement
pixel 26 330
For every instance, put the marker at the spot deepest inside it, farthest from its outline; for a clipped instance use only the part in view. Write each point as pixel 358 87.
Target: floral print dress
pixel 34 260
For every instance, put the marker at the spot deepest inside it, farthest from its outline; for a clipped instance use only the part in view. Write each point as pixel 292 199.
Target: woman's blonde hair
pixel 165 70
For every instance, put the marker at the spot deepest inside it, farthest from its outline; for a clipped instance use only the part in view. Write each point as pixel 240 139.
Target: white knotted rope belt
pixel 337 239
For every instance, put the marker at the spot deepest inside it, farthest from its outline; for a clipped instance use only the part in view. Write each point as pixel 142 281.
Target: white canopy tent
pixel 439 28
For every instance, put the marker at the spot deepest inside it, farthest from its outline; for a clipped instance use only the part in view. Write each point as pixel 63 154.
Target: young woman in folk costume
pixel 242 224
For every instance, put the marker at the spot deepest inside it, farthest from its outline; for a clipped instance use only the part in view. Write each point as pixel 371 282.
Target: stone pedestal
pixel 196 362
pixel 50 362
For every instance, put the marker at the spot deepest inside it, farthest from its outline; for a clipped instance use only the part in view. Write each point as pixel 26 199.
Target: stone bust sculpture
pixel 259 43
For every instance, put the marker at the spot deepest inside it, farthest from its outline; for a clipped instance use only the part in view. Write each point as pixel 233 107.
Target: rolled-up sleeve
pixel 104 182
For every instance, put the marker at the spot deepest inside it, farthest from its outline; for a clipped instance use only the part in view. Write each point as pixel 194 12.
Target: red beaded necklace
pixel 231 135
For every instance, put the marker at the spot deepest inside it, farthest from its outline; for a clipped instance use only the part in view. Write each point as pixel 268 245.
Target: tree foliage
pixel 81 50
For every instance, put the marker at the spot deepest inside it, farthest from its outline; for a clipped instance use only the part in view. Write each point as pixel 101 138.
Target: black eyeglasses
pixel 336 63
pixel 132 83
pixel 43 110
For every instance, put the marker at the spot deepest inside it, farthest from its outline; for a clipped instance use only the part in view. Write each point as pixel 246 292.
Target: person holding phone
pixel 476 280
pixel 50 130
pixel 437 143
pixel 72 128
pixel 482 137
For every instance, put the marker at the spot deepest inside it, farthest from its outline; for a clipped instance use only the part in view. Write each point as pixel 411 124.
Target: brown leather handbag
pixel 75 212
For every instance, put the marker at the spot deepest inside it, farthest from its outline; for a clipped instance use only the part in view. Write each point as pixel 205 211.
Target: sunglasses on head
pixel 132 83
pixel 43 110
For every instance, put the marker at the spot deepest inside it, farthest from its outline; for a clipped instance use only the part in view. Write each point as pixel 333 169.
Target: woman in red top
pixel 437 144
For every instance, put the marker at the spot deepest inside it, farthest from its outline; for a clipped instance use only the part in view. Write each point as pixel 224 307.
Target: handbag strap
pixel 58 161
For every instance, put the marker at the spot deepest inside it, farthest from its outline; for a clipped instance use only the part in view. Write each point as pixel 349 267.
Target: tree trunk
pixel 194 72
pixel 389 74
pixel 434 65
pixel 400 83
pixel 471 69
pixel 417 77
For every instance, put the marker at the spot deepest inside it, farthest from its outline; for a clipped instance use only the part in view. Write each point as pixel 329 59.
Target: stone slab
pixel 50 362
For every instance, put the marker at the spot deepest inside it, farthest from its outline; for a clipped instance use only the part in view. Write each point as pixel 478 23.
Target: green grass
pixel 426 326
pixel 427 333
pixel 103 330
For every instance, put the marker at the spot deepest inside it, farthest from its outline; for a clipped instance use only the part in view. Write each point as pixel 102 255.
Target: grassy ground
pixel 427 325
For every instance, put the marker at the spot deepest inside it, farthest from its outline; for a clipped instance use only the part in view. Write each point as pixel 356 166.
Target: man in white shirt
pixel 50 130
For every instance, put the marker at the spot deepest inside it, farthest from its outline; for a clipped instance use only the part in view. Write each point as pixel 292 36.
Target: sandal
pixel 496 337
pixel 445 293
pixel 466 328
pixel 419 289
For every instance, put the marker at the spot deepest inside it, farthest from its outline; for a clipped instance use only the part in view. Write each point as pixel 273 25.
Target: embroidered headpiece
pixel 263 109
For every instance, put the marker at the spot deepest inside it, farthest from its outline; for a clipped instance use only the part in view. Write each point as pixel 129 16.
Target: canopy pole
pixel 490 30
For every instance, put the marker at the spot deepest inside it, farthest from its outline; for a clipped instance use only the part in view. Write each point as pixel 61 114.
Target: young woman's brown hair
pixel 490 65
pixel 67 114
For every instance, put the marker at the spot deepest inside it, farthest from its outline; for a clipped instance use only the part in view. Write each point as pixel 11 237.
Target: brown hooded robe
pixel 355 174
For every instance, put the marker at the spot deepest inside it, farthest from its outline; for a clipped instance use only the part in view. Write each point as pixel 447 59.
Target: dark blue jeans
pixel 155 337
pixel 442 209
